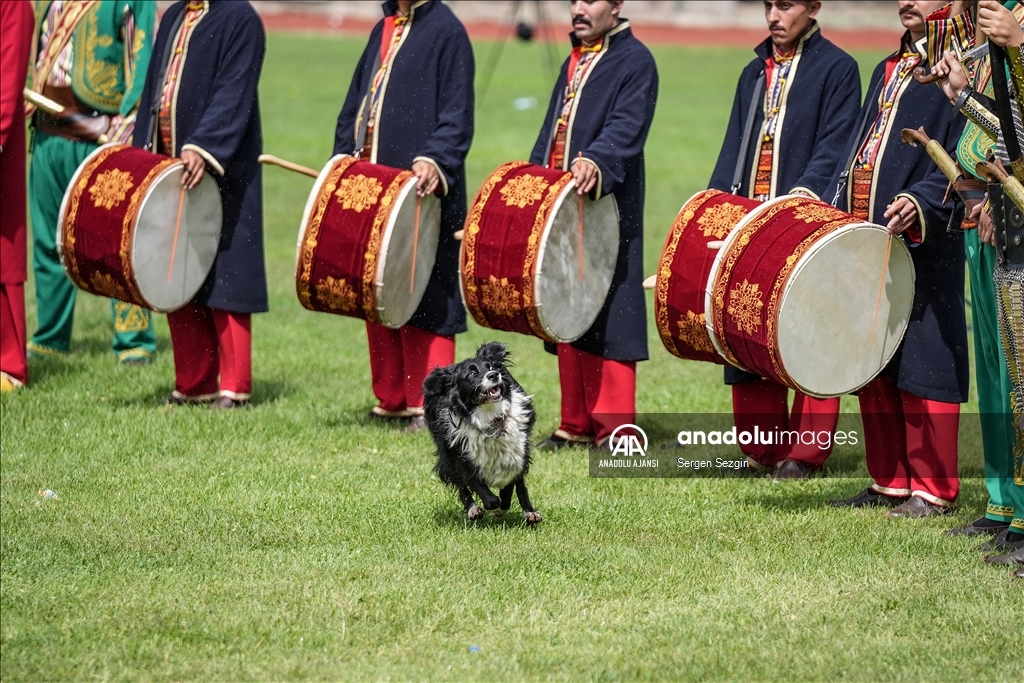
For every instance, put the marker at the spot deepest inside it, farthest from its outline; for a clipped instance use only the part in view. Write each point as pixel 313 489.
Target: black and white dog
pixel 481 421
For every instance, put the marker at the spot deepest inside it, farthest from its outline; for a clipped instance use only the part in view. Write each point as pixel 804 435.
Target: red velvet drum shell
pixel 529 264
pixel 683 271
pixel 367 243
pixel 127 230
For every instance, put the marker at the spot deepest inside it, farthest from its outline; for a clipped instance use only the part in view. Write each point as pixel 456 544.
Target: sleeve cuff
pixel 599 187
pixel 915 236
pixel 207 157
pixel 805 191
pixel 440 173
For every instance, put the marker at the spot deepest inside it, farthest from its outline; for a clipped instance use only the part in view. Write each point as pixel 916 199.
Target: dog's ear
pixel 493 352
pixel 440 382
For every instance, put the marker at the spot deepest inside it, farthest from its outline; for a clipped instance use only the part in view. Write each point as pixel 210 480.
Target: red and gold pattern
pixel 684 269
pixel 338 252
pixel 99 223
pixel 500 245
pixel 753 274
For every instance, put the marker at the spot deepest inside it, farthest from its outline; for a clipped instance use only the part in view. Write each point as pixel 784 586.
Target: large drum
pixel 129 231
pixel 683 271
pixel 529 264
pixel 367 243
pixel 798 294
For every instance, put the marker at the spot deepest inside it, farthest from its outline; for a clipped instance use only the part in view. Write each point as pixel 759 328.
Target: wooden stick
pixel 459 234
pixel 650 282
pixel 177 225
pixel 415 245
pixel 716 244
pixel 42 102
pixel 881 288
pixel 275 161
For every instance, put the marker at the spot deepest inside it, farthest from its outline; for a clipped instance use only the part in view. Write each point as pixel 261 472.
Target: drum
pixel 682 277
pixel 127 229
pixel 529 264
pixel 367 243
pixel 798 294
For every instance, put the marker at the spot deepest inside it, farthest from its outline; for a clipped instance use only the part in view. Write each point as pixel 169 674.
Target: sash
pixel 72 13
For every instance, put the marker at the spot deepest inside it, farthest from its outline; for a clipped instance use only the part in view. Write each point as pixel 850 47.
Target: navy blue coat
pixel 613 117
pixel 218 115
pixel 426 111
pixel 818 113
pixel 933 361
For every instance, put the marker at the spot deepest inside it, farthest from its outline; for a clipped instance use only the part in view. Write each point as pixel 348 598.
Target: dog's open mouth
pixel 491 395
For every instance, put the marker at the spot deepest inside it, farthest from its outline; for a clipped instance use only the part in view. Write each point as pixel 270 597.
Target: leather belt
pixel 77 122
pixel 1008 221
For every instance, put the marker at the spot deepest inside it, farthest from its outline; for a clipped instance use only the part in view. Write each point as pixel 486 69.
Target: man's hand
pixel 951 75
pixel 903 215
pixel 998 23
pixel 986 231
pixel 195 167
pixel 584 172
pixel 428 178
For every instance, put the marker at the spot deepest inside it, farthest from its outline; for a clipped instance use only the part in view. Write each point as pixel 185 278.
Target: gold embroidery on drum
pixel 71 220
pixel 816 212
pixel 104 284
pixel 358 192
pixel 745 306
pixel 336 294
pixel 500 297
pixel 312 232
pixel 693 332
pixel 130 318
pixel 524 191
pixel 369 298
pixel 720 220
pixel 110 188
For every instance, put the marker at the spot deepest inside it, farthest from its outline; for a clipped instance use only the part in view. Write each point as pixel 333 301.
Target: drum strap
pixel 165 65
pixel 856 143
pixel 748 131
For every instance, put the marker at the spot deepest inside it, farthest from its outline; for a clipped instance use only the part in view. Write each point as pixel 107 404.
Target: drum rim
pixel 385 242
pixel 62 215
pixel 802 261
pixel 709 321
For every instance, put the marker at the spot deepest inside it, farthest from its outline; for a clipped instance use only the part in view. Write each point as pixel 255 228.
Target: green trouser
pixel 998 433
pixel 54 162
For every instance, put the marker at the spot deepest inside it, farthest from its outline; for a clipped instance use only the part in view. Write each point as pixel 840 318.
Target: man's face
pixel 913 12
pixel 591 19
pixel 788 19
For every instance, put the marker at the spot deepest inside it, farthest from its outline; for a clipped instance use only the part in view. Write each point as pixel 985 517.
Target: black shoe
pixel 917 508
pixel 794 469
pixel 228 403
pixel 973 529
pixel 1019 573
pixel 378 414
pixel 416 424
pixel 870 498
pixel 179 399
pixel 997 543
pixel 559 440
pixel 1014 557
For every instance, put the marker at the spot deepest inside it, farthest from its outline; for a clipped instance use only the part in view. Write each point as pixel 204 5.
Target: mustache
pixel 580 19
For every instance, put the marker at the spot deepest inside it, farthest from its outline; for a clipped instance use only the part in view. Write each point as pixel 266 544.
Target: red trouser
pixel 208 342
pixel 598 394
pixel 764 403
pixel 401 359
pixel 12 332
pixel 910 443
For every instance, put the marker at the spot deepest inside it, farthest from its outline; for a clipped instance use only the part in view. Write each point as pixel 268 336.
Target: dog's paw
pixel 475 512
pixel 532 517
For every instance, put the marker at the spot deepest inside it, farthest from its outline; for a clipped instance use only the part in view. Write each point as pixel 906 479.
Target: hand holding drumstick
pixel 195 167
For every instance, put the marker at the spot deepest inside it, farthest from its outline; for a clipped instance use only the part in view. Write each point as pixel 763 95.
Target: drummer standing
pixel 90 57
pixel 17 25
pixel 201 104
pixel 596 126
pixel 794 107
pixel 410 105
pixel 911 411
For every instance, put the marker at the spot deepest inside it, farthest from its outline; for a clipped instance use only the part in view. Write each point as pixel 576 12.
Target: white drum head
pixel 567 306
pixel 828 310
pixel 172 264
pixel 396 304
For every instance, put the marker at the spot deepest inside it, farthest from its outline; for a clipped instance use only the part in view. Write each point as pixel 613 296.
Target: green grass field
pixel 294 541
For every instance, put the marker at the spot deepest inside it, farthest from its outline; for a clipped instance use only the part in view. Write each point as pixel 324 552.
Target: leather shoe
pixel 997 543
pixel 973 529
pixel 1019 573
pixel 560 439
pixel 177 398
pixel 228 403
pixel 868 498
pixel 379 414
pixel 917 508
pixel 416 424
pixel 794 469
pixel 1014 557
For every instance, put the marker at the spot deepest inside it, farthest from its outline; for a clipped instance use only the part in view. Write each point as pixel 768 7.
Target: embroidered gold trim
pixel 745 306
pixel 312 231
pixel 70 219
pixel 103 283
pixel 358 192
pixel 130 318
pixel 526 190
pixel 110 188
pixel 500 296
pixel 373 246
pixel 337 295
pixel 719 220
pixel 693 332
pixel 817 213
